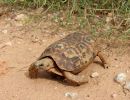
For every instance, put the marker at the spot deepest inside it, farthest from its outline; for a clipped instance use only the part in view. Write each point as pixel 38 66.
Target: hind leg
pixel 75 79
pixel 105 64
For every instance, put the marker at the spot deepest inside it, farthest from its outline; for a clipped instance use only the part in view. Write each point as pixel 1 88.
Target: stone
pixel 55 88
pixel 71 95
pixel 4 31
pixel 5 44
pixel 21 17
pixel 21 20
pixel 114 95
pixel 95 74
pixel 120 78
pixel 8 43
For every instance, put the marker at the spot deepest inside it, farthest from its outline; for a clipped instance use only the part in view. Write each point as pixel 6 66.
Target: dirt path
pixel 22 45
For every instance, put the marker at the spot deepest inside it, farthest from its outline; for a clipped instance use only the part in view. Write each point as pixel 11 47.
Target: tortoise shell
pixel 72 53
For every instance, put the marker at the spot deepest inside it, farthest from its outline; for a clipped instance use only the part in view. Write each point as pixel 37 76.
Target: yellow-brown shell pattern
pixel 72 53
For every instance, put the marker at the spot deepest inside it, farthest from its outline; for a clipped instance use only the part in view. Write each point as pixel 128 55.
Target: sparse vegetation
pixel 28 27
pixel 100 17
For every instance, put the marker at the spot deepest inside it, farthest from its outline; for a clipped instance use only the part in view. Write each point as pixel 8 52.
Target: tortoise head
pixel 44 64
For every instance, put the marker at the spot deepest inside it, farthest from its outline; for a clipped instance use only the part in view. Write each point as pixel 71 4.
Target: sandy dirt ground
pixel 21 45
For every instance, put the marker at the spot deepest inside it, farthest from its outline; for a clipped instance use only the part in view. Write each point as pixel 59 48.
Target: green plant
pixel 86 14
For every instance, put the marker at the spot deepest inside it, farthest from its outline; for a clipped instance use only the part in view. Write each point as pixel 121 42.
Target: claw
pixel 106 66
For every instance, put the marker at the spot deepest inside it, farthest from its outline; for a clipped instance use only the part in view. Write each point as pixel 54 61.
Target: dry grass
pixel 105 18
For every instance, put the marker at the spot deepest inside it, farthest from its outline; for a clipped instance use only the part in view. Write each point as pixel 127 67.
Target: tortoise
pixel 67 57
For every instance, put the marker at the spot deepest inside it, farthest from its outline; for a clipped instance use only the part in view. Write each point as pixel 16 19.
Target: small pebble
pixel 21 17
pixel 114 95
pixel 127 71
pixel 8 44
pixel 95 74
pixel 55 88
pixel 108 19
pixel 61 35
pixel 71 95
pixel 4 31
pixel 120 78
pixel 5 44
pixel 127 86
pixel 21 20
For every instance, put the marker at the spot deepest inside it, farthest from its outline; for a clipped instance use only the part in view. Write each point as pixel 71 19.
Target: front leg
pixel 55 71
pixel 75 79
pixel 105 64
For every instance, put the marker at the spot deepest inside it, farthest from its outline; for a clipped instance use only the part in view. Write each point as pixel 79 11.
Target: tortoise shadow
pixel 49 76
pixel 52 77
pixel 55 77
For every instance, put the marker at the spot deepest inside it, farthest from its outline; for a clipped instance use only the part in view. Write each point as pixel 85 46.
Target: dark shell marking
pixel 72 53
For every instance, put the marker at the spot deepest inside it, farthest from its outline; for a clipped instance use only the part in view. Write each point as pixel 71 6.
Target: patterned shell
pixel 71 53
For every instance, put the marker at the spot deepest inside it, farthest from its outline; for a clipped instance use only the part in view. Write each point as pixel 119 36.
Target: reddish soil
pixel 21 45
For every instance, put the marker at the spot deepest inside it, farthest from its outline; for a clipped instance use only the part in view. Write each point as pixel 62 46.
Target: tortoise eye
pixel 38 65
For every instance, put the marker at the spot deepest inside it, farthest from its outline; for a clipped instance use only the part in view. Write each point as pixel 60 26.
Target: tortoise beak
pixel 33 71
